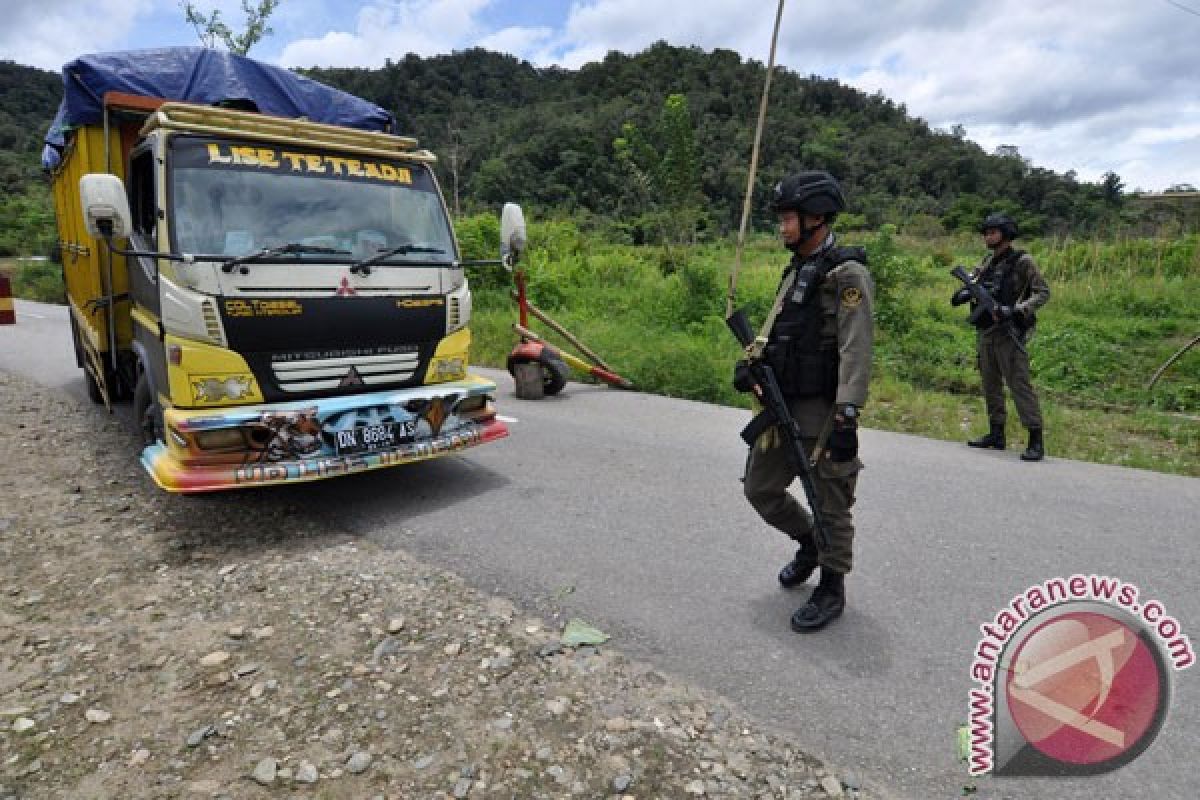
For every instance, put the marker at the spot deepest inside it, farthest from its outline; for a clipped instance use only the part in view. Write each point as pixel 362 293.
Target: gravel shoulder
pixel 232 647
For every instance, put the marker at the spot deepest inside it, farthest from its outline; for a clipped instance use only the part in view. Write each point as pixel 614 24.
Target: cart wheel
pixel 554 374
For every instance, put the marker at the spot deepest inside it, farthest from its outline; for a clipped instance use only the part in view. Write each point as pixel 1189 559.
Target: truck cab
pixel 284 300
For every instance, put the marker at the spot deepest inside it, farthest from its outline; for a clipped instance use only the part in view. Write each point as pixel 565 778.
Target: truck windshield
pixel 234 199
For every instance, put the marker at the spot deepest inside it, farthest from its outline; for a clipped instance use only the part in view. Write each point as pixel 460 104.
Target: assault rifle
pixel 982 303
pixel 776 413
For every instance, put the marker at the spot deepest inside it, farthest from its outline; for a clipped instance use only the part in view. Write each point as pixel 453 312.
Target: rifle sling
pixel 785 286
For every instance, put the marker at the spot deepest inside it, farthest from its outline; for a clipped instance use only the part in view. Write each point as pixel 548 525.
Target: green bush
pixel 478 236
pixel 892 273
pixel 40 280
pixel 29 222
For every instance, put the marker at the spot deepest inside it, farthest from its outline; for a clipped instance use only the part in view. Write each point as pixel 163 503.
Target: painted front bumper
pixel 293 442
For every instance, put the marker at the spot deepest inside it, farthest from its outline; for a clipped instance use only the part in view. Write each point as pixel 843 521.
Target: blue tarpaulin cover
pixel 201 75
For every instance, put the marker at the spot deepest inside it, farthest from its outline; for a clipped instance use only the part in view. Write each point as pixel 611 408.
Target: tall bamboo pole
pixel 762 118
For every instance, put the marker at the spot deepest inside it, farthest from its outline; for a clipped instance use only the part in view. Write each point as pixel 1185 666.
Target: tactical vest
pixel 804 359
pixel 1000 281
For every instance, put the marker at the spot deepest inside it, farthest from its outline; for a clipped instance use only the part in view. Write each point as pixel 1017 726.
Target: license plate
pixel 369 438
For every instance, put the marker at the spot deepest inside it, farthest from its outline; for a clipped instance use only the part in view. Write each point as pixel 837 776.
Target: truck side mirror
pixel 512 234
pixel 105 206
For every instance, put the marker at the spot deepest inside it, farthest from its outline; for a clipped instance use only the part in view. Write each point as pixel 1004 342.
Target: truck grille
pixel 332 373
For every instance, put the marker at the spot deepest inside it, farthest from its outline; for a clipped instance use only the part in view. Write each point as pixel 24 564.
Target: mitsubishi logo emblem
pixel 352 378
pixel 345 289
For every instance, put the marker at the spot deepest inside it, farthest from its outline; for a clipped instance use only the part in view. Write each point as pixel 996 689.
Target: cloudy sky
pixel 1085 85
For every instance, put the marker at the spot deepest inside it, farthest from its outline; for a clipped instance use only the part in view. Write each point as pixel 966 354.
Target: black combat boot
pixel 826 604
pixel 1036 450
pixel 796 571
pixel 993 438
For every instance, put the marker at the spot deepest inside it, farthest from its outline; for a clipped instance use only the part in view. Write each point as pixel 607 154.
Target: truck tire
pixel 119 387
pixel 554 374
pixel 93 389
pixel 117 390
pixel 146 413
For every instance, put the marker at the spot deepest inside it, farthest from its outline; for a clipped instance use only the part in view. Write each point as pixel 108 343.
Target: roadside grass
pixel 35 279
pixel 1144 439
pixel 1117 312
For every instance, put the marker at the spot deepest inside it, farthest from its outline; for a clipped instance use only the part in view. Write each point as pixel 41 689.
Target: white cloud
pixel 1087 88
pixel 594 28
pixel 529 43
pixel 48 35
pixel 1173 133
pixel 334 49
pixel 386 30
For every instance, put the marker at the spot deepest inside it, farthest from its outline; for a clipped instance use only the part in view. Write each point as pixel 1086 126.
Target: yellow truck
pixel 273 282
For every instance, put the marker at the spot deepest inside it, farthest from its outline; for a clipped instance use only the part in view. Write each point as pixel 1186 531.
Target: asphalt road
pixel 626 510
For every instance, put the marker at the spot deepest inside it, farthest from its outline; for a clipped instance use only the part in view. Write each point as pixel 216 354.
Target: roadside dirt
pixel 155 646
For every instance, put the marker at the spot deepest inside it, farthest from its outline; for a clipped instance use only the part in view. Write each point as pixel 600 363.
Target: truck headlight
pixel 449 369
pixel 220 439
pixel 218 388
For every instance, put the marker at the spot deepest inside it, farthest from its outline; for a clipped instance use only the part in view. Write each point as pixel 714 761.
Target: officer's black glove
pixel 843 440
pixel 1003 313
pixel 743 378
pixel 960 297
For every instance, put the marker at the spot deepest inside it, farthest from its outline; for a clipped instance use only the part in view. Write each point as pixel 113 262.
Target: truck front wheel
pixel 147 413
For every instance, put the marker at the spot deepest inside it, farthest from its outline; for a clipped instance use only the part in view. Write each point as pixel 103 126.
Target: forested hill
pixel 28 99
pixel 546 136
pixel 505 130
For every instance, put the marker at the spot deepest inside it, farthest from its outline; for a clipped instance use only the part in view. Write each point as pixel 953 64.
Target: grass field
pixel 1117 312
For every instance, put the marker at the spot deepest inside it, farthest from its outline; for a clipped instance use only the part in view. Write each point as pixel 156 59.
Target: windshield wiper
pixel 293 248
pixel 365 265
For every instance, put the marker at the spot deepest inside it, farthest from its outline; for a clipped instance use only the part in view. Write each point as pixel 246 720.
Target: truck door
pixel 143 205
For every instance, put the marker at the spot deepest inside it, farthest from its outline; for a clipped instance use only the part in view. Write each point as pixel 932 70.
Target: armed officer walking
pixel 819 340
pixel 1013 280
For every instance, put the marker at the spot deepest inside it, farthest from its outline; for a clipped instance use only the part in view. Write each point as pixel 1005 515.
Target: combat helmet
pixel 1001 222
pixel 810 192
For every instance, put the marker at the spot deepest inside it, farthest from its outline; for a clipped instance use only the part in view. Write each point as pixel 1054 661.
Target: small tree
pixel 666 177
pixel 458 155
pixel 212 29
pixel 1111 187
